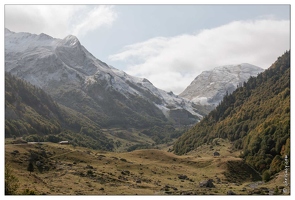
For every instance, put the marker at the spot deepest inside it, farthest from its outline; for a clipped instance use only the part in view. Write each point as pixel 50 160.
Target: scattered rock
pixel 181 176
pixel 264 189
pixel 15 152
pixel 123 159
pixel 138 181
pixel 125 172
pixel 218 180
pixel 257 191
pixel 101 188
pixel 89 167
pixel 207 183
pixel 122 178
pixel 38 163
pixel 88 152
pixel 186 193
pixel 166 188
pixel 174 188
pixel 230 192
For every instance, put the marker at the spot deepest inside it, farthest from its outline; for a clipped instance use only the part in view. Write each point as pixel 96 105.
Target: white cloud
pixel 98 16
pixel 172 63
pixel 58 20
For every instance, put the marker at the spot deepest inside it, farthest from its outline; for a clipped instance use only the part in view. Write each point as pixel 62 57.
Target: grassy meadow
pixel 67 170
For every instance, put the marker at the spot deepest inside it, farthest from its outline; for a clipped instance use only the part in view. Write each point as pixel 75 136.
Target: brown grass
pixel 81 171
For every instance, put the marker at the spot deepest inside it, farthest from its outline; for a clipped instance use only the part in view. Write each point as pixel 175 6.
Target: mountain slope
pixel 32 114
pixel 209 88
pixel 76 79
pixel 255 117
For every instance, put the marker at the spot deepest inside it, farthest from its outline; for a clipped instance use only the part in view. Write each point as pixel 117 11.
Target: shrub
pixel 28 192
pixel 90 172
pixel 11 182
pixel 266 176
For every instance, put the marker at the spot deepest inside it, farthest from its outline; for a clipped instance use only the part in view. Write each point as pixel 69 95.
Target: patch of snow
pixel 200 100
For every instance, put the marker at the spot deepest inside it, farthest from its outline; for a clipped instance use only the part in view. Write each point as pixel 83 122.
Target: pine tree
pixel 30 167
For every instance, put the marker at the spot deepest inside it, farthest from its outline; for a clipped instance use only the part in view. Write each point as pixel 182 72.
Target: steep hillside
pixel 209 88
pixel 76 79
pixel 31 113
pixel 255 117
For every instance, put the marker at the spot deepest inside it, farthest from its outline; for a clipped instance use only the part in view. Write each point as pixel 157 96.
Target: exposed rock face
pixel 76 79
pixel 209 88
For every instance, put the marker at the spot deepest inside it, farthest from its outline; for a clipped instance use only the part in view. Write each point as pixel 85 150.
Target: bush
pixel 11 182
pixel 90 172
pixel 266 176
pixel 28 192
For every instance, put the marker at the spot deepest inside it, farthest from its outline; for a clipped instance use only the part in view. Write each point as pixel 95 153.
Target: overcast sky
pixel 168 44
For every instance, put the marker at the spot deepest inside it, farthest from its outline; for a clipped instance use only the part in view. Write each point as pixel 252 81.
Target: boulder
pixel 125 172
pixel 230 192
pixel 181 176
pixel 207 183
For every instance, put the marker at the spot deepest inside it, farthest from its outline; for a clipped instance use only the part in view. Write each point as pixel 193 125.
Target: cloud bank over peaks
pixel 58 20
pixel 172 63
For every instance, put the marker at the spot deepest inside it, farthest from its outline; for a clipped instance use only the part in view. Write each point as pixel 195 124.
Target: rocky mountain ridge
pixel 209 88
pixel 78 80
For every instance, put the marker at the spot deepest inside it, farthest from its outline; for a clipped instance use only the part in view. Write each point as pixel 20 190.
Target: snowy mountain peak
pixel 70 40
pixel 22 41
pixel 244 67
pixel 43 36
pixel 64 68
pixel 210 87
pixel 7 31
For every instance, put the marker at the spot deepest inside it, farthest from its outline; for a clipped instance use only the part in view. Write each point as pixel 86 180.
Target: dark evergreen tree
pixel 30 167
